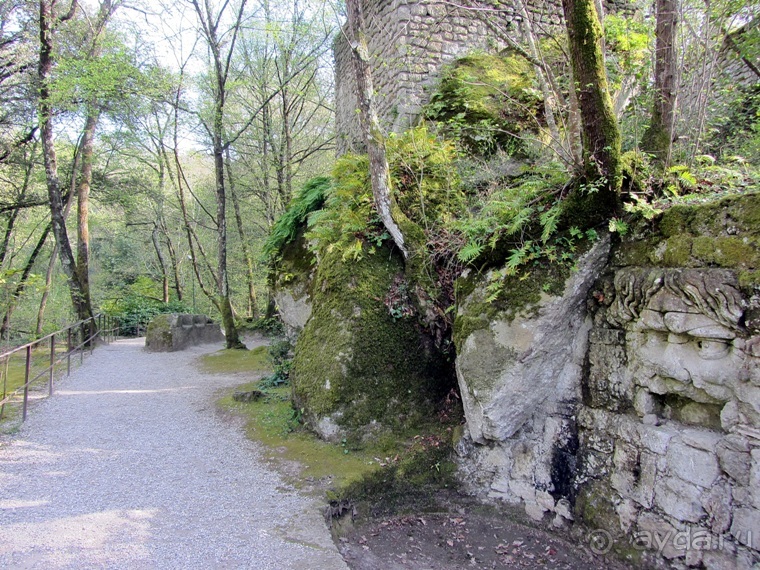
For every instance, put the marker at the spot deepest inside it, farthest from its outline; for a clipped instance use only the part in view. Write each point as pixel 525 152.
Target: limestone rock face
pixel 507 370
pixel 175 331
pixel 291 286
pixel 642 415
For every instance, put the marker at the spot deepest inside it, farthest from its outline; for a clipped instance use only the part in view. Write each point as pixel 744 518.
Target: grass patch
pixel 13 375
pixel 232 360
pixel 402 465
pixel 273 421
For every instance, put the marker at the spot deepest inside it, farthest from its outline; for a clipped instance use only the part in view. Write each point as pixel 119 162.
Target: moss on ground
pixel 274 422
pixel 235 360
pixel 406 483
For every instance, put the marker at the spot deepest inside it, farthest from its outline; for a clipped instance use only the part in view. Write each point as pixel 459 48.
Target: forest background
pixel 160 143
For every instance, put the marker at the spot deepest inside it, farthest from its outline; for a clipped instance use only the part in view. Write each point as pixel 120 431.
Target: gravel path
pixel 127 466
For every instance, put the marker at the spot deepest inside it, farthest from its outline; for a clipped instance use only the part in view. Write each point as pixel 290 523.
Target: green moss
pixel 677 251
pixel 721 233
pixel 273 422
pixel 675 221
pixel 159 330
pixel 354 358
pixel 749 281
pixel 487 101
pixel 634 252
pixel 294 266
pixel 510 296
pixel 594 507
pixel 405 485
pixel 235 360
pixel 731 252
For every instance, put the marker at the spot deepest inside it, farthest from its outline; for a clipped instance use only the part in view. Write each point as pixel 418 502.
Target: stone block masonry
pixel 174 331
pixel 411 40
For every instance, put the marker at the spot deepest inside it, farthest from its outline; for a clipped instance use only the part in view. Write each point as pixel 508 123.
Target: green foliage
pixel 677 179
pixel 309 199
pixel 629 43
pixel 618 226
pixel 488 102
pixel 136 307
pixel 528 205
pixel 735 131
pixel 424 176
pixel 280 353
pixel 425 186
pixel 268 325
pixel 348 220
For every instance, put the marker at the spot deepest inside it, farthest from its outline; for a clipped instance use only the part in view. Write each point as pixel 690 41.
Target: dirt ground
pixel 461 540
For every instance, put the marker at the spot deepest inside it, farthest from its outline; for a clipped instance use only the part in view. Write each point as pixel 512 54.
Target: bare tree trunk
pixel 251 311
pixel 658 138
pixel 378 161
pixel 54 253
pixel 83 202
pixel 600 133
pixel 162 265
pixel 47 22
pixel 221 66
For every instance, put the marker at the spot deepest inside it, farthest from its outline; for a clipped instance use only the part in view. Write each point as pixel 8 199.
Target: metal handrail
pixel 106 328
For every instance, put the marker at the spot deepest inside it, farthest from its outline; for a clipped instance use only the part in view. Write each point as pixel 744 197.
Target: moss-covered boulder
pixel 361 363
pixel 489 102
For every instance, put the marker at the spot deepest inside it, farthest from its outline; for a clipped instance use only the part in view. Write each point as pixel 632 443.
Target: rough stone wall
pixel 409 42
pixel 654 444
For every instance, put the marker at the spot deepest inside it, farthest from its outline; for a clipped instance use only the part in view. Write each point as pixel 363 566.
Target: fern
pixel 549 221
pixel 310 198
pixel 470 252
pixel 518 257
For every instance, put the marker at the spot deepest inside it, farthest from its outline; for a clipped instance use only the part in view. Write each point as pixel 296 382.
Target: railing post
pixel 80 343
pixel 5 382
pixel 52 364
pixel 27 370
pixel 68 353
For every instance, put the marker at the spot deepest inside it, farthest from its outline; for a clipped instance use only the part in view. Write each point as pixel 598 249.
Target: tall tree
pixel 378 161
pixel 49 20
pixel 92 115
pixel 658 137
pixel 600 132
pixel 217 40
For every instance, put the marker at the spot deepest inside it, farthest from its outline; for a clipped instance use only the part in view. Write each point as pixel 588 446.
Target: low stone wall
pixel 174 331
